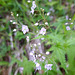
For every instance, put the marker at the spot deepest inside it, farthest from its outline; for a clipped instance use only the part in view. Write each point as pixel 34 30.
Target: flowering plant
pixel 37 37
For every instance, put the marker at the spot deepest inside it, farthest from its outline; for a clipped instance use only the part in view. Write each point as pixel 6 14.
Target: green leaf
pixel 19 35
pixel 38 37
pixel 52 3
pixel 60 7
pixel 2 63
pixel 61 57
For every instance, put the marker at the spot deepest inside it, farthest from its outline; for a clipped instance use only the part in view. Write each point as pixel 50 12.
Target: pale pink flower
pixel 21 69
pixel 51 9
pixel 48 66
pixel 42 31
pixel 43 57
pixel 68 28
pixel 38 67
pixel 67 17
pixel 25 29
pixel 67 65
pixel 42 38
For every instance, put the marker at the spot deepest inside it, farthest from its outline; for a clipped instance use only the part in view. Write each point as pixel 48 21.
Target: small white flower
pixel 72 23
pixel 48 13
pixel 14 30
pixel 37 31
pixel 27 38
pixel 36 24
pixel 39 55
pixel 37 64
pixel 42 38
pixel 47 53
pixel 66 23
pixel 31 53
pixel 11 13
pixel 48 66
pixel 10 20
pixel 67 65
pixel 46 23
pixel 28 1
pixel 43 57
pixel 33 4
pixel 42 31
pixel 68 28
pixel 32 10
pixel 25 29
pixel 14 23
pixel 43 9
pixel 69 18
pixel 35 45
pixel 17 15
pixel 39 44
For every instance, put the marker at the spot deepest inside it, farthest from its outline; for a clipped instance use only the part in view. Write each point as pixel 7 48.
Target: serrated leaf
pixel 61 57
